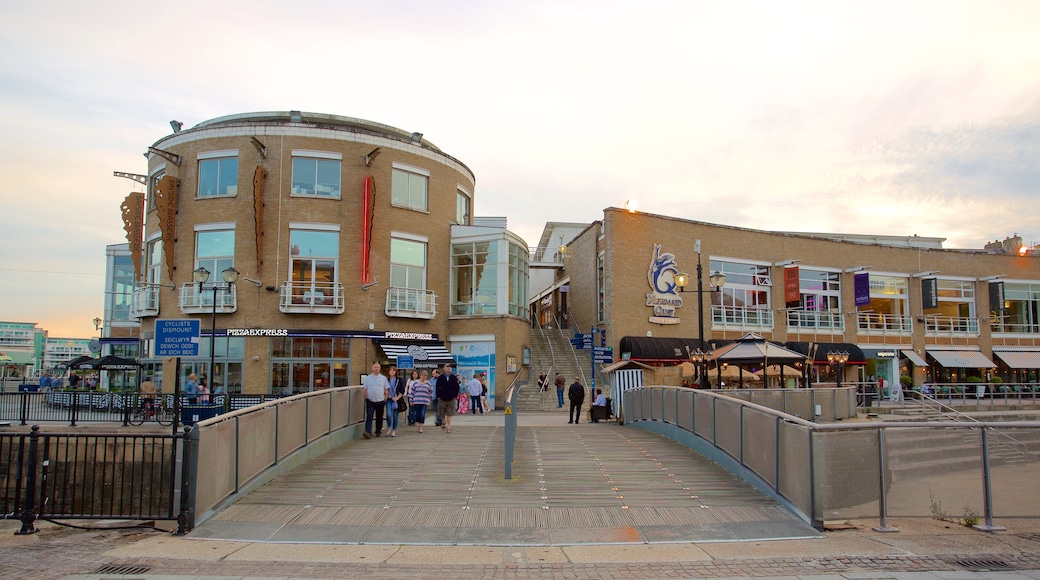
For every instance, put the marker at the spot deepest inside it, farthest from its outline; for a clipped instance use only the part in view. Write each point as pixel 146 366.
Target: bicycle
pixel 154 412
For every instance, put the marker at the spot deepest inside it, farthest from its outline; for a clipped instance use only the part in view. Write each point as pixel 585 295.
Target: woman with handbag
pixel 408 396
pixel 394 404
pixel 422 396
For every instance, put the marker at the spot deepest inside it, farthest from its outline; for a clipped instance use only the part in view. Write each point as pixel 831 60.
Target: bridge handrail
pixel 803 465
pixel 294 429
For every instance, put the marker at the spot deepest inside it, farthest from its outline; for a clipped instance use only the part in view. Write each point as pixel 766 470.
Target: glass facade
pixel 304 364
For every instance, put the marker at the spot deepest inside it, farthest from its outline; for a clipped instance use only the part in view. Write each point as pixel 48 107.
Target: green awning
pixel 16 357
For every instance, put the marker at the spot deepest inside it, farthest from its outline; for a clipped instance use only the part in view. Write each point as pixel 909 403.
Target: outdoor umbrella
pixel 74 363
pixel 111 363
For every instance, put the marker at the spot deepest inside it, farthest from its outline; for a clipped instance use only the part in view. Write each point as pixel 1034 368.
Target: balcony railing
pixel 947 325
pixel 815 320
pixel 194 302
pixel 145 302
pixel 1014 328
pixel 311 298
pixel 411 303
pixel 741 317
pixel 869 323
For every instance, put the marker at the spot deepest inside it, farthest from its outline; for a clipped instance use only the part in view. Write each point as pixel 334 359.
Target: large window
pixel 474 280
pixel 215 251
pixel 313 261
pixel 153 184
pixel 317 174
pixel 407 263
pixel 408 185
pixel 819 304
pixel 122 290
pixel 518 279
pixel 218 173
pixel 744 299
pixel 304 364
pixel 1021 308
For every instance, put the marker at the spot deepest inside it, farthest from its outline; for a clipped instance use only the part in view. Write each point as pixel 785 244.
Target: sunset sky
pixel 892 118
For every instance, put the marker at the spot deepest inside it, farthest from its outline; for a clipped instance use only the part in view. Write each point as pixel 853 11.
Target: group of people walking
pixel 388 396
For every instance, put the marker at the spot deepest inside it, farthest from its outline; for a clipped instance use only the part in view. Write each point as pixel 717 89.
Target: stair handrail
pixel 1009 441
pixel 552 351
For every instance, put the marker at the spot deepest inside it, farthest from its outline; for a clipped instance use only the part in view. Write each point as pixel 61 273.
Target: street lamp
pixel 837 359
pixel 202 276
pixel 97 323
pixel 717 279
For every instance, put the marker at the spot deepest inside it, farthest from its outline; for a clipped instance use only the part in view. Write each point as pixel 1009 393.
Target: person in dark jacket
pixel 447 396
pixel 576 394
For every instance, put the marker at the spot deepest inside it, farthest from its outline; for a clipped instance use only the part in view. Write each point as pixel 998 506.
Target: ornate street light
pixel 717 279
pixel 230 276
pixel 837 359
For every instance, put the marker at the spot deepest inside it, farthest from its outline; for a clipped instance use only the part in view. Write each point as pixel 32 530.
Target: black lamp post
pixel 837 359
pixel 717 279
pixel 230 276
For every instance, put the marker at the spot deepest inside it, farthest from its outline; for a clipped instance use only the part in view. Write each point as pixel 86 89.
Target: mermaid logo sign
pixel 662 298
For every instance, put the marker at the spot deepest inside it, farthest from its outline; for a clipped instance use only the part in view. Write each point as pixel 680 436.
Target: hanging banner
pixel 930 293
pixel 861 286
pixel 792 285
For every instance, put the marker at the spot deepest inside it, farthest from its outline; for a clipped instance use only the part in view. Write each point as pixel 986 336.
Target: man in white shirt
pixel 599 406
pixel 377 390
pixel 475 389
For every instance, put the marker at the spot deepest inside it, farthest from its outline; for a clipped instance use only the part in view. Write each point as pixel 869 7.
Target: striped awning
pixel 427 355
pixel 1019 359
pixel 961 359
pixel 915 358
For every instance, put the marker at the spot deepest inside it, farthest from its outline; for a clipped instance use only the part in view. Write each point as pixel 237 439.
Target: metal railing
pixel 92 407
pixel 311 297
pixel 842 471
pixel 145 302
pixel 947 325
pixel 194 302
pixel 815 320
pixel 979 392
pixel 410 302
pixel 870 323
pixel 741 316
pixel 91 476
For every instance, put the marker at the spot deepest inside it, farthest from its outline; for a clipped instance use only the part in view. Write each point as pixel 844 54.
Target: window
pixel 889 295
pixel 956 298
pixel 518 280
pixel 408 185
pixel 122 289
pixel 474 280
pixel 1021 308
pixel 317 174
pixel 154 259
pixel 407 263
pixel 601 285
pixel 303 364
pixel 820 301
pixel 215 251
pixel 313 261
pixel 153 184
pixel 462 204
pixel 218 173
pixel 744 299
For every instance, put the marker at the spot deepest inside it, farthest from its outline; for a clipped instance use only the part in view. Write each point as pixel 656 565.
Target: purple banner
pixel 861 285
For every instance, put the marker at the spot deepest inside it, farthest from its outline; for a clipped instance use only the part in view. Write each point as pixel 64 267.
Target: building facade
pixel 910 307
pixel 327 243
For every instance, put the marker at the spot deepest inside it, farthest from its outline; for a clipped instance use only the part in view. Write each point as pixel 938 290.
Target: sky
pixel 866 117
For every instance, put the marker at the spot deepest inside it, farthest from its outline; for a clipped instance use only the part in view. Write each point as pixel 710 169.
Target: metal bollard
pixel 28 515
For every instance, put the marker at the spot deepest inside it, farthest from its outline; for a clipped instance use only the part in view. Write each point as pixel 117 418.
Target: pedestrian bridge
pixel 571 484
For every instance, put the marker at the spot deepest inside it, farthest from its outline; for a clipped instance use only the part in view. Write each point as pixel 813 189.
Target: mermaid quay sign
pixel 662 296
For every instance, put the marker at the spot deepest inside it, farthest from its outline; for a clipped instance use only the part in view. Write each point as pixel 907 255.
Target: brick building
pixel 898 305
pixel 352 242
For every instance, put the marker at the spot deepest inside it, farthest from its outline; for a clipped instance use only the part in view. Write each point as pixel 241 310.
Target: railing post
pixel 25 408
pixel 28 515
pixel 987 490
pixel 186 517
pixel 73 405
pixel 882 496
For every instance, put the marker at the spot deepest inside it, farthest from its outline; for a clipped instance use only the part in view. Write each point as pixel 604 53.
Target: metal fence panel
pixel 1015 476
pixel 845 467
pixel 795 468
pixel 684 409
pixel 759 441
pixel 728 426
pixel 933 471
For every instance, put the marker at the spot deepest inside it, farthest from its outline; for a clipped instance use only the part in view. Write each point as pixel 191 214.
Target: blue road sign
pixel 406 361
pixel 177 337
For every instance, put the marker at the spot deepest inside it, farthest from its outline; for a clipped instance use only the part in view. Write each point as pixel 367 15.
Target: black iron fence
pixel 85 407
pixel 93 476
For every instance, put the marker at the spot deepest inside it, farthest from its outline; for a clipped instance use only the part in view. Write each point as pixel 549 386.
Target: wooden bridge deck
pixel 572 484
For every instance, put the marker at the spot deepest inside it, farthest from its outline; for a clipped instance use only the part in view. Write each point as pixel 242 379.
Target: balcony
pixel 950 326
pixel 740 317
pixel 411 303
pixel 193 302
pixel 884 324
pixel 311 298
pixel 145 302
pixel 814 321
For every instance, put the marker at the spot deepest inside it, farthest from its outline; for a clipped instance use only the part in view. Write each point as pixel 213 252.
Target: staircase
pixel 552 352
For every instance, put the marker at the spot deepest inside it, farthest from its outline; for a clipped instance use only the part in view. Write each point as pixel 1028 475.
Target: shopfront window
pixel 518 280
pixel 228 359
pixel 474 280
pixel 305 364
